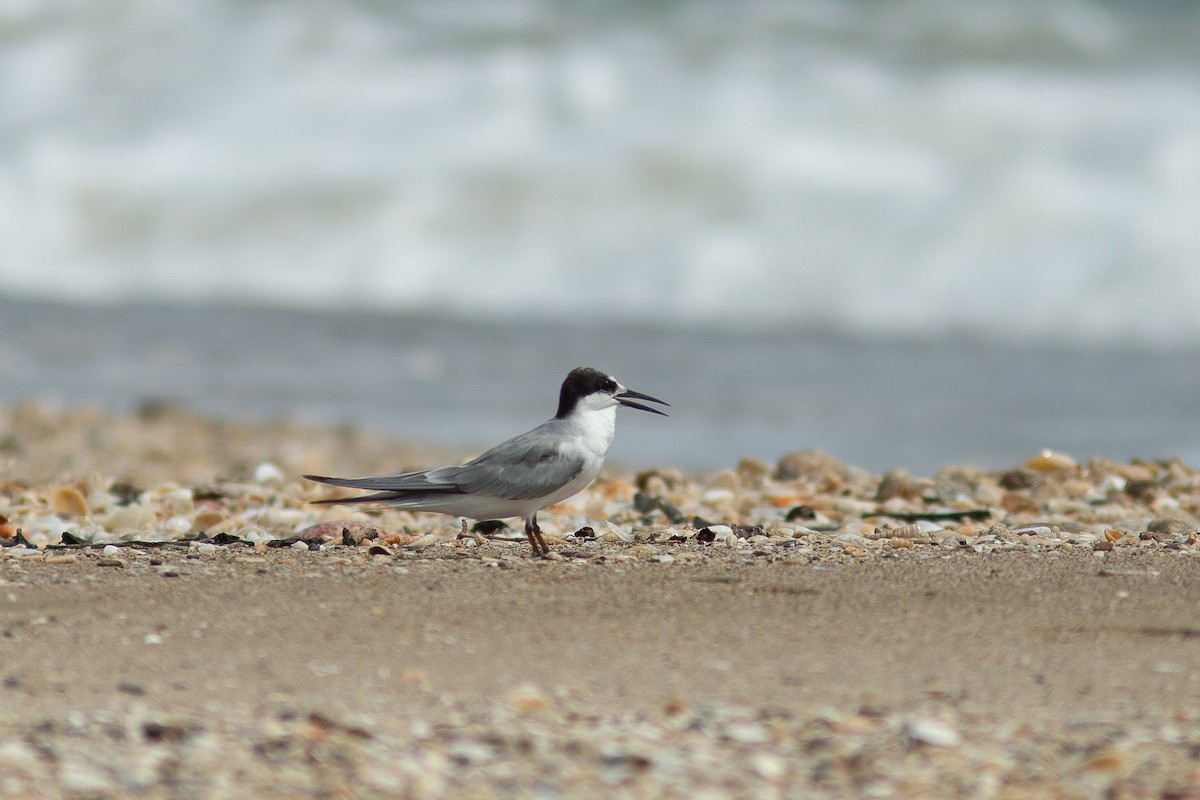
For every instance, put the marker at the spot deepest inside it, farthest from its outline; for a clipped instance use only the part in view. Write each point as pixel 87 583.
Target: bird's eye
pixel 610 387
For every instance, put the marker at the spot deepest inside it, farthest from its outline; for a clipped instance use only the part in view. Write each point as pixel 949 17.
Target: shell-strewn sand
pixel 178 621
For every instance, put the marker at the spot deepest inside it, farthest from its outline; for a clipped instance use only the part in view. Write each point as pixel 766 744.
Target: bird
pixel 523 475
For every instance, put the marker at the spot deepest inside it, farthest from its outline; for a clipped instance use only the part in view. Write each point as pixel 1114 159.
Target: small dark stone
pixel 125 492
pixel 801 513
pixel 226 538
pixel 489 527
pixel 706 535
pixel 286 542
pixel 746 531
pixel 646 504
pixel 69 538
pixel 165 732
pixel 585 532
pixel 1019 478
pixel 131 688
pixel 634 762
pixel 1140 490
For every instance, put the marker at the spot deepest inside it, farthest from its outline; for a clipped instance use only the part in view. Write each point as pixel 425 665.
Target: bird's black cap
pixel 584 381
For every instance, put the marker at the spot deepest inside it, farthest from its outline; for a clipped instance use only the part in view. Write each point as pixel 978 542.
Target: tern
pixel 519 477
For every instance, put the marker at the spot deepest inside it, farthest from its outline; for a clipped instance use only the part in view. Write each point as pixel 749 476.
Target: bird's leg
pixel 464 533
pixel 535 537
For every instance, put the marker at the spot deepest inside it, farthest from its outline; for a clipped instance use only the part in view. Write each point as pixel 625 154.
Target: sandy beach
pixel 179 621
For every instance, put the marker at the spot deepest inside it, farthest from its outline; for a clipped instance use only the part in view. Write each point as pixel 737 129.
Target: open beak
pixel 626 397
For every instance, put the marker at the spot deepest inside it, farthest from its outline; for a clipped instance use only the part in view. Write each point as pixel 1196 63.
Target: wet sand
pixel 1040 664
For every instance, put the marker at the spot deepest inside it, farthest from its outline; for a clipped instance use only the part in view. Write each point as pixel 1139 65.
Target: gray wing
pixel 524 467
pixel 528 466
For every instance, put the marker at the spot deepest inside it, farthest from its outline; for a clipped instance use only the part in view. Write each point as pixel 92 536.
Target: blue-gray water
pixel 911 233
pixel 472 382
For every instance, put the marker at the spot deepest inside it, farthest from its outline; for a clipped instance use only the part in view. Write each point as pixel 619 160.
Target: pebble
pixel 16 755
pixel 267 472
pixel 749 733
pixel 934 732
pixel 68 502
pixel 527 699
pixel 617 534
pixel 720 533
pixel 1050 461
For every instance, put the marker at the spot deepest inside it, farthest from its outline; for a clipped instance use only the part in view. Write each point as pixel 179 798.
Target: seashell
pixel 100 500
pixel 909 531
pixel 267 472
pixel 813 464
pixel 68 502
pixel 752 472
pixel 717 533
pixel 717 496
pixel 206 519
pixel 1169 526
pixel 1019 503
pixel 897 483
pixel 171 499
pixel 528 699
pixel 1050 461
pixel 48 530
pixel 725 481
pixel 933 732
pixel 853 531
pixel 1109 759
pixel 1111 483
pixel 135 517
pixel 348 532
pixel 175 528
pixel 619 534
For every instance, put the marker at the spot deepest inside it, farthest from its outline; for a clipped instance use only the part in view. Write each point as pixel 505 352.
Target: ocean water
pixel 1020 170
pixel 910 233
pixel 470 383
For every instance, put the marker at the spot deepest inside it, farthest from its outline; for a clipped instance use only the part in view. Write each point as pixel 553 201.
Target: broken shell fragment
pixel 68 501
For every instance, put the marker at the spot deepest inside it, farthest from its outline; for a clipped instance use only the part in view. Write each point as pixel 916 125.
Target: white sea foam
pixel 1014 169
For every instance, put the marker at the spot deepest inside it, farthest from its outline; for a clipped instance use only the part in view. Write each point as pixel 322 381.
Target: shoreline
pixel 819 630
